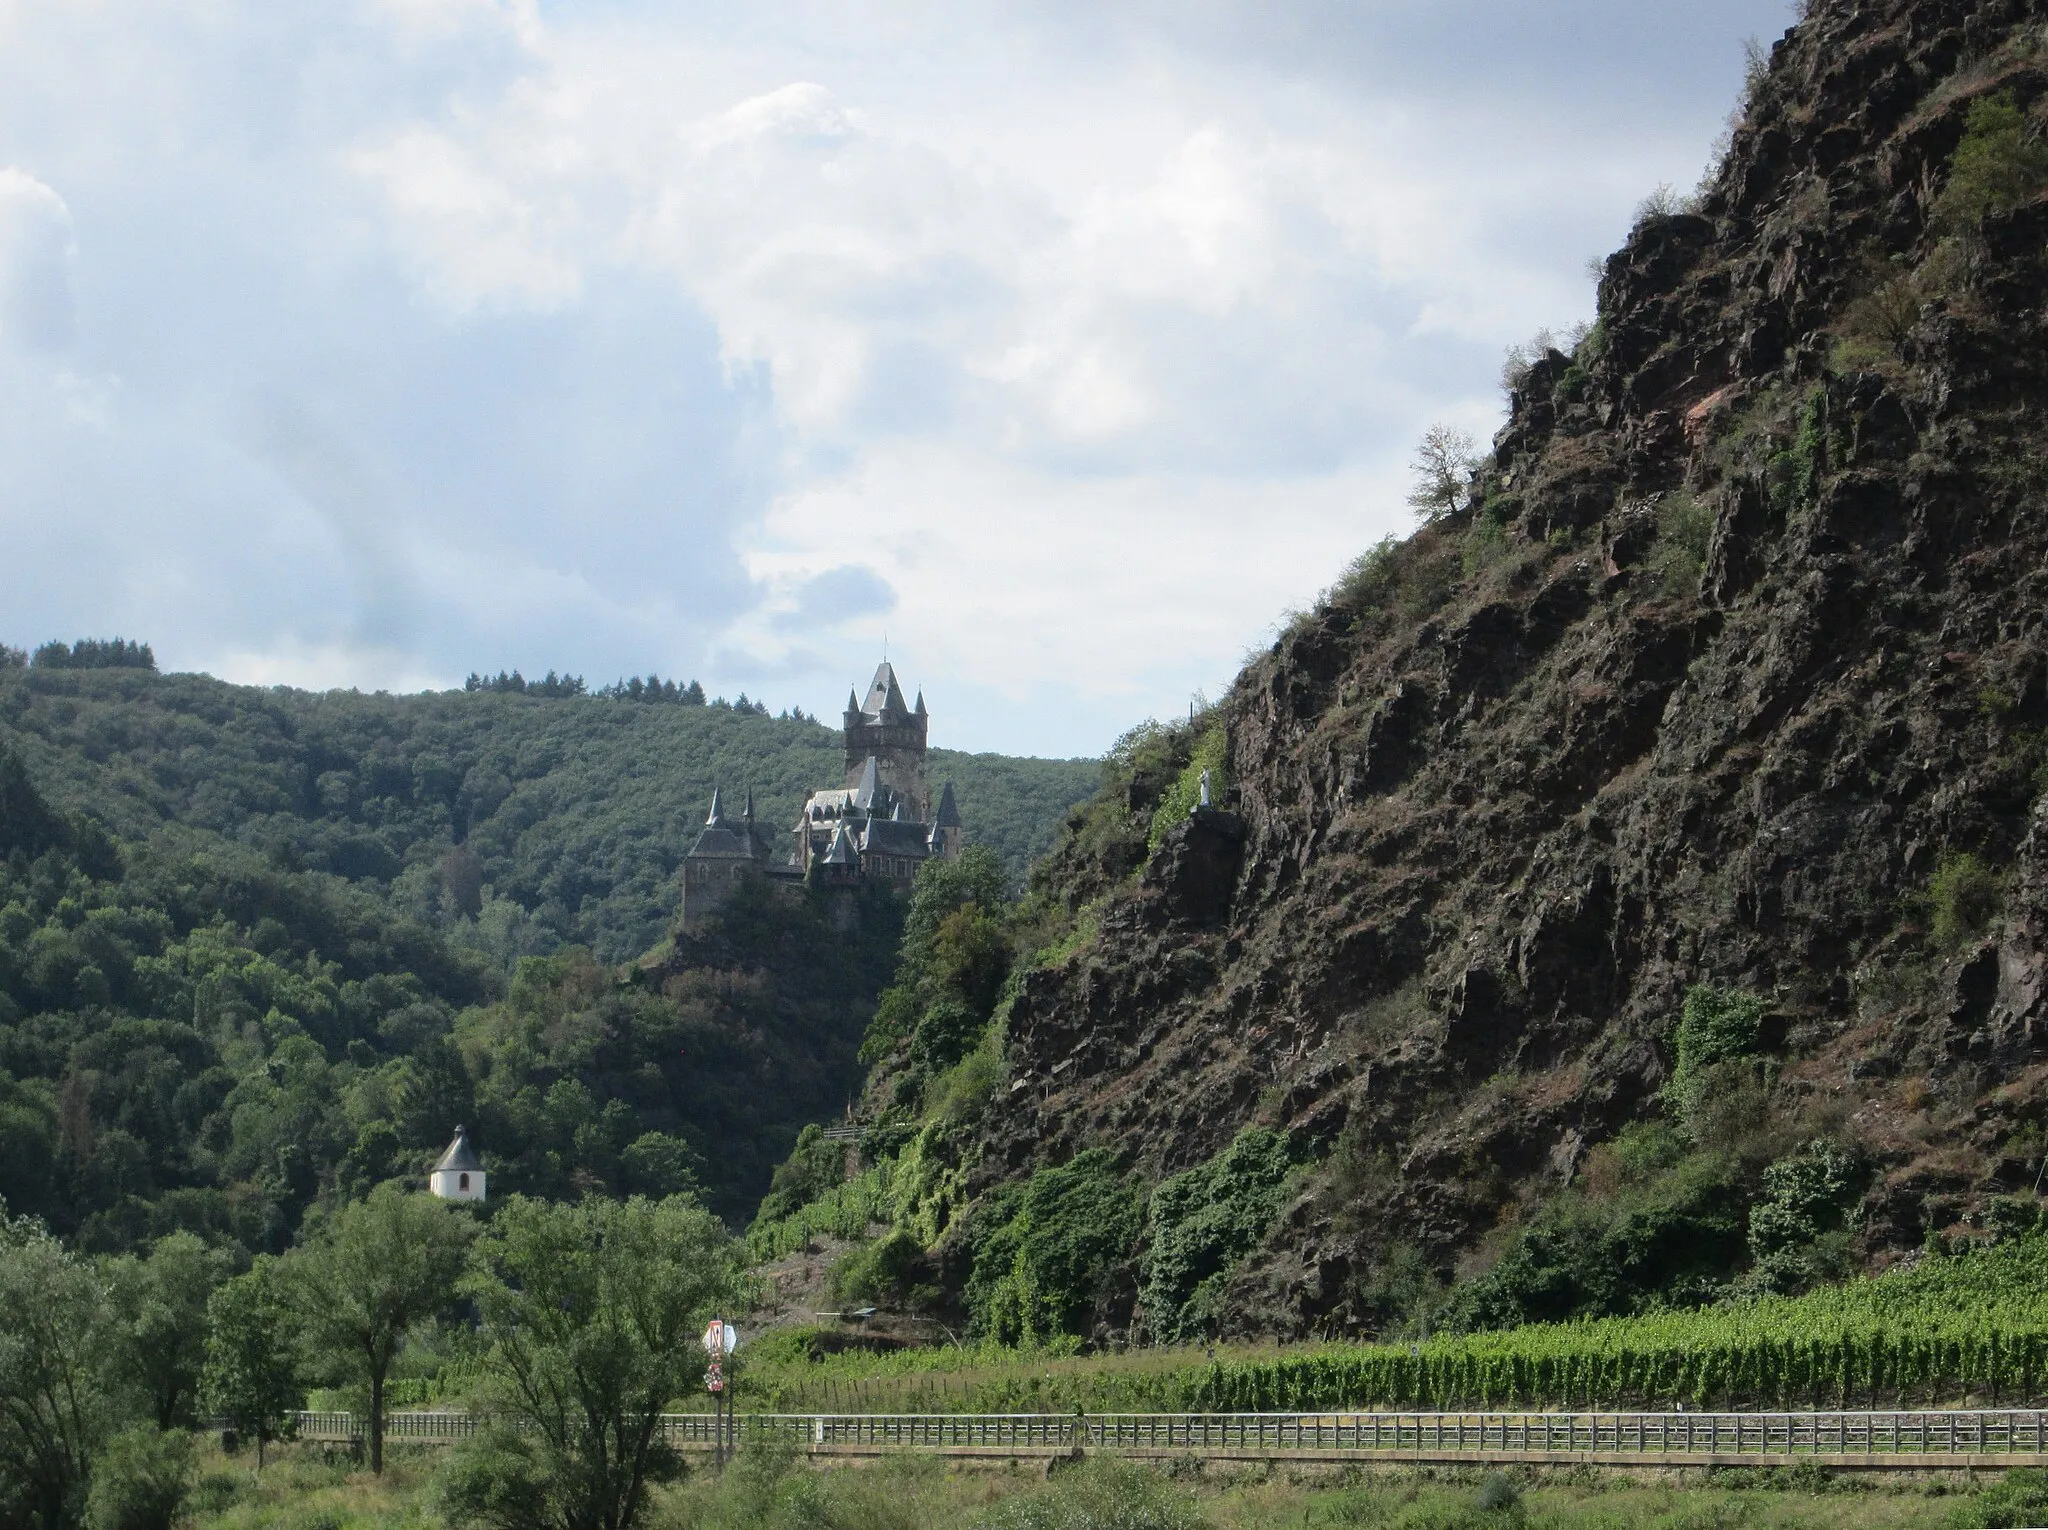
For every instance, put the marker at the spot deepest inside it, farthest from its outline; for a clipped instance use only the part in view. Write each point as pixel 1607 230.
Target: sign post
pixel 720 1340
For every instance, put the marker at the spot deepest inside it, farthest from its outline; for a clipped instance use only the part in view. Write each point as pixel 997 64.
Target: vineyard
pixel 845 1211
pixel 1968 1326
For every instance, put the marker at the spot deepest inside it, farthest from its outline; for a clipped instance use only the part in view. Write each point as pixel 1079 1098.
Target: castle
pixel 876 830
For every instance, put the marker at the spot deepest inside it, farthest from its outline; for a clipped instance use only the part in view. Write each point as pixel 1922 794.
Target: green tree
pixel 2000 162
pixel 251 1374
pixel 383 1265
pixel 163 1302
pixel 141 1480
pixel 594 1312
pixel 1443 462
pixel 54 1405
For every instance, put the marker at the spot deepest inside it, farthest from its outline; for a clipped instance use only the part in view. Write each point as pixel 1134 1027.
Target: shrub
pixel 1047 1252
pixel 1485 544
pixel 1679 555
pixel 1716 1025
pixel 1099 1495
pixel 1498 1494
pixel 141 1480
pixel 880 1273
pixel 2018 1498
pixel 1201 1222
pixel 1999 163
pixel 1963 897
pixel 1795 1227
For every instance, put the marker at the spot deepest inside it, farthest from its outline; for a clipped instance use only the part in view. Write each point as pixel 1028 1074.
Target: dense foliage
pixel 512 821
pixel 593 1313
pixel 589 1314
pixel 247 970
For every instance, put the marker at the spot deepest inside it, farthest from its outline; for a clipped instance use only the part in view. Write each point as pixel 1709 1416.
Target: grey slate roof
pixel 870 786
pixel 723 839
pixel 894 836
pixel 460 1155
pixel 841 853
pixel 949 811
pixel 885 701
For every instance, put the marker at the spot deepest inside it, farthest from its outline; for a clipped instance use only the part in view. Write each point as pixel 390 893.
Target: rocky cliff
pixel 1727 667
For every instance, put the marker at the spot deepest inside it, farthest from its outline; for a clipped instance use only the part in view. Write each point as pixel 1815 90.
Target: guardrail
pixel 1936 1438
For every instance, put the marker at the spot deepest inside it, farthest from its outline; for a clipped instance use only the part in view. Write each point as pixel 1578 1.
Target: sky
pixel 1062 348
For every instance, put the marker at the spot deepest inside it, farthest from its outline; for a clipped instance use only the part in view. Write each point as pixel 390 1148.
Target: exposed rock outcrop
pixel 1742 635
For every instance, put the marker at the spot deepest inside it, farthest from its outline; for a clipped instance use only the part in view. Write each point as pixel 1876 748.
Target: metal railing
pixel 1909 1437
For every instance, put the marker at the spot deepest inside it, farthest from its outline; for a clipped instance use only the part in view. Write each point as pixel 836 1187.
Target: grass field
pixel 303 1489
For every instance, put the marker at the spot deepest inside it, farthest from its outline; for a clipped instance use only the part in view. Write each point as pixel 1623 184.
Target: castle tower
pixel 726 852
pixel 891 733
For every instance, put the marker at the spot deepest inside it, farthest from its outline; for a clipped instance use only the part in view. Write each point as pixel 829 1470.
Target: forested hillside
pixel 571 812
pixel 1628 891
pixel 261 950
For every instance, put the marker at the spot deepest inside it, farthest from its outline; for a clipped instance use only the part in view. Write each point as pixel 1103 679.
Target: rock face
pixel 1740 642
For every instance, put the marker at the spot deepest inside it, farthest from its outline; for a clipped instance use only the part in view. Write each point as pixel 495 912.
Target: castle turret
pixel 949 834
pixel 726 852
pixel 885 729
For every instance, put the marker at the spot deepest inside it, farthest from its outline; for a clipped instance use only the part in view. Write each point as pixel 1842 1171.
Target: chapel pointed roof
pixel 949 811
pixel 715 816
pixel 460 1156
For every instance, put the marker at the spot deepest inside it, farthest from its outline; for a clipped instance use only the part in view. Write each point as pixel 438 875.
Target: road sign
pixel 720 1338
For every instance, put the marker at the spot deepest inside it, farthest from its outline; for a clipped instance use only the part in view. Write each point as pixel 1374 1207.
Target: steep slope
pixel 1727 679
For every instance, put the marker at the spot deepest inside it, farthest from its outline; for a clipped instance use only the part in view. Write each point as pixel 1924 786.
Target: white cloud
pixel 36 252
pixel 396 340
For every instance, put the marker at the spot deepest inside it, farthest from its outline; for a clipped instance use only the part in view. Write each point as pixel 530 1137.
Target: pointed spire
pixel 948 816
pixel 870 786
pixel 716 816
pixel 896 813
pixel 841 853
pixel 747 817
pixel 852 702
pixel 918 710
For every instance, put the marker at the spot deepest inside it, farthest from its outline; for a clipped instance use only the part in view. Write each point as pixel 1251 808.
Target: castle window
pixel 462 1183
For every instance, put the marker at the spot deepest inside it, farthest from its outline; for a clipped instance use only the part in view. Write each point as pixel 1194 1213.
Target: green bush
pixel 141 1480
pixel 1963 897
pixel 1099 1495
pixel 1716 1025
pixel 1679 554
pixel 1047 1252
pixel 1498 1494
pixel 882 1273
pixel 2000 163
pixel 1797 1227
pixel 1201 1222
